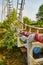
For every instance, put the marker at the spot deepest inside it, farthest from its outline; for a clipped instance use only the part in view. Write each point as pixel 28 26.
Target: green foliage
pixel 40 23
pixel 2 62
pixel 17 25
pixel 10 19
pixel 39 16
pixel 12 16
pixel 0 24
pixel 9 40
pixel 40 13
pixel 26 20
pixel 6 24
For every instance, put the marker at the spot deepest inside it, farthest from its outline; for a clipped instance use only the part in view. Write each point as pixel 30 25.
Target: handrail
pixel 35 61
pixel 32 26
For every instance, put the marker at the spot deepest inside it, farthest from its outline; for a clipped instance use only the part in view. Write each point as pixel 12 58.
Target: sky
pixel 30 9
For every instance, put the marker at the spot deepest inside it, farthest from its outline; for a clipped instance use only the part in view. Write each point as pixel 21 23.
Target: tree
pixel 10 19
pixel 26 20
pixel 9 40
pixel 17 25
pixel 39 15
pixel 40 23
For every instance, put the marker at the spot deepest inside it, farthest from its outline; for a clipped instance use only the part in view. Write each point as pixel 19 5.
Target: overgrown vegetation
pixel 9 38
pixel 8 42
pixel 27 21
pixel 39 16
pixel 2 62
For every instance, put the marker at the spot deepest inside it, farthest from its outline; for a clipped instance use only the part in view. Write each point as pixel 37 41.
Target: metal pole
pixel 9 6
pixel 30 39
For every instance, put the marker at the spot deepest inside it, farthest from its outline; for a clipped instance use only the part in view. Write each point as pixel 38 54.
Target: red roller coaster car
pixel 39 37
pixel 25 33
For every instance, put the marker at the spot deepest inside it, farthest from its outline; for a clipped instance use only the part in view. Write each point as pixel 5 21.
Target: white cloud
pixel 30 15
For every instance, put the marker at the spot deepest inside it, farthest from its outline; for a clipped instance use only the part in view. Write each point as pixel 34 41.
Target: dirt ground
pixel 13 57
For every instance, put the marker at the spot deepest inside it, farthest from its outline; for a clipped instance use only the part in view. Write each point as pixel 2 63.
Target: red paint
pixel 25 33
pixel 39 37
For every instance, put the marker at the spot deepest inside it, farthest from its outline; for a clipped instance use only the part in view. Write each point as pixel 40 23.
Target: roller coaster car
pixel 25 33
pixel 37 53
pixel 39 37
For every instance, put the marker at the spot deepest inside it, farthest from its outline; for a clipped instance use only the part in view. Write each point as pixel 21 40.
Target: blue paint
pixel 36 50
pixel 25 41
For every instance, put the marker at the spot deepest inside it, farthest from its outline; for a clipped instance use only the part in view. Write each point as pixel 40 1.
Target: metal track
pixel 7 7
pixel 20 8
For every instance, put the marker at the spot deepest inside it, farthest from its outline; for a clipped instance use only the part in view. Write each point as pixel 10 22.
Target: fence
pixel 32 29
